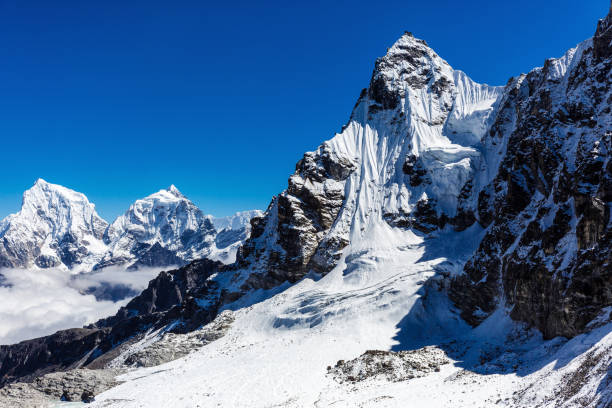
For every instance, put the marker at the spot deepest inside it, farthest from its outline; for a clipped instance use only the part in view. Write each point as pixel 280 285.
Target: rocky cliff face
pixel 546 254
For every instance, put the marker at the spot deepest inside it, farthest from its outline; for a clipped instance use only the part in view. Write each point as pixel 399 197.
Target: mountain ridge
pixel 58 227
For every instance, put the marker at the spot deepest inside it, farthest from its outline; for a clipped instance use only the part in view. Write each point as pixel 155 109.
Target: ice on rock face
pixel 417 131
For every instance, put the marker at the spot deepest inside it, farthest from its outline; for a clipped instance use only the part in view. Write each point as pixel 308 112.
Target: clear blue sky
pixel 118 99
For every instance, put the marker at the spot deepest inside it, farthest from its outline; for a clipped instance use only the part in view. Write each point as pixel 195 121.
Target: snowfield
pixel 278 350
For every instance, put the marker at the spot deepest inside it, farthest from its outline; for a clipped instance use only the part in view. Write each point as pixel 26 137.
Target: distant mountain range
pixel 59 228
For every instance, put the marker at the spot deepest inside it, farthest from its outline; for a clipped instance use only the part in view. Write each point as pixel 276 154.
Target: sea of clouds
pixel 35 303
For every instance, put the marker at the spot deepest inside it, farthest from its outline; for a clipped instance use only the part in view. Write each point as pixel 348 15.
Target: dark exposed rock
pixel 389 365
pixel 413 167
pixel 298 219
pixel 547 248
pixel 603 38
pixel 155 255
pixel 185 296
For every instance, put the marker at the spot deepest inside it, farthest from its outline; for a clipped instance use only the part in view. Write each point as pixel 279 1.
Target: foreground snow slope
pixel 277 351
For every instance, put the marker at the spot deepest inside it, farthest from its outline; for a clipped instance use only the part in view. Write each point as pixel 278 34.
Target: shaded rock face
pixel 46 354
pixel 289 240
pixel 547 250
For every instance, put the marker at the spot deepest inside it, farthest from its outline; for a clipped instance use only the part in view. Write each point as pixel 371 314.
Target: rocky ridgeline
pixel 547 248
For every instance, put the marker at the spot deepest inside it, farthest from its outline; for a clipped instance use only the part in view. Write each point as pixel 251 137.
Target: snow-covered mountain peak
pixel 162 229
pixel 55 227
pixel 238 221
pixel 43 191
pixel 61 208
pixel 175 191
pixel 59 227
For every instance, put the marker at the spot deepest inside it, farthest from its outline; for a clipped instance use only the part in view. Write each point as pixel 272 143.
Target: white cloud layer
pixel 38 303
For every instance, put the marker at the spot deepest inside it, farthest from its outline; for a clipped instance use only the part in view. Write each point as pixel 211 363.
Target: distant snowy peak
pixel 163 229
pixel 237 221
pixel 56 227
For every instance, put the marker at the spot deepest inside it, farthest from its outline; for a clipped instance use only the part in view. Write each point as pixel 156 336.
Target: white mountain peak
pixel 172 189
pixel 56 226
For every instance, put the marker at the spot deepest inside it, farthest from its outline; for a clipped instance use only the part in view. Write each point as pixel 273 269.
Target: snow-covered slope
pixel 56 227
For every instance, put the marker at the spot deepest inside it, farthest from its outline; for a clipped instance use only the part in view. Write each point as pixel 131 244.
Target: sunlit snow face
pixel 38 303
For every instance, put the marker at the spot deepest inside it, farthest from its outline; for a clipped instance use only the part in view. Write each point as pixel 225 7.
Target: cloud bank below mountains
pixel 38 303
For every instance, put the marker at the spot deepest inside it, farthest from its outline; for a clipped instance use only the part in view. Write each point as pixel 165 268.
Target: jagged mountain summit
pixel 449 247
pixel 55 227
pixel 162 229
pixel 59 228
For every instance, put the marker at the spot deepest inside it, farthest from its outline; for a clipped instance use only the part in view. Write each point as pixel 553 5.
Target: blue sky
pixel 118 99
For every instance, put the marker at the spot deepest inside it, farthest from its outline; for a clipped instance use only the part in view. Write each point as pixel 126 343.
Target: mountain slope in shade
pixel 56 227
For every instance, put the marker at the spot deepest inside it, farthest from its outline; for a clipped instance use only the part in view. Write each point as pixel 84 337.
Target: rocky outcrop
pixel 71 386
pixel 172 346
pixel 289 241
pixel 389 365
